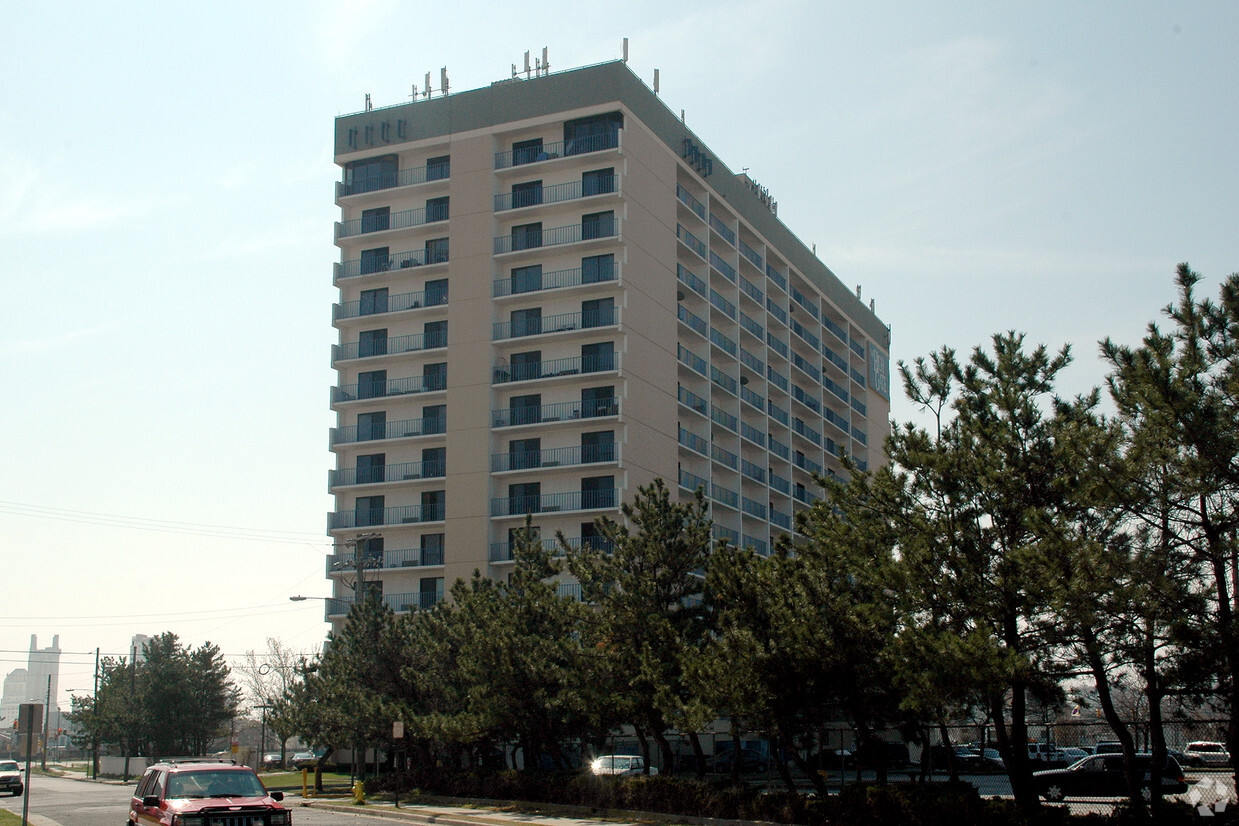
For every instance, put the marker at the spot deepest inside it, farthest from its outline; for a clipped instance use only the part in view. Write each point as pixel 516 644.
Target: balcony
pixel 378 517
pixel 390 180
pixel 581 500
pixel 559 149
pixel 389 387
pixel 576 365
pixel 399 603
pixel 356 267
pixel 405 219
pixel 555 194
pixel 554 280
pixel 560 411
pixel 389 304
pixel 554 457
pixel 608 227
pixel 400 472
pixel 388 430
pixel 560 323
pixel 387 347
pixel 405 558
pixel 691 241
pixel 693 482
pixel 502 551
pixel 686 198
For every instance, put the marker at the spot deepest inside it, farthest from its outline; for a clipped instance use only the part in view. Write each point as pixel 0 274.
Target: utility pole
pixel 47 719
pixel 94 734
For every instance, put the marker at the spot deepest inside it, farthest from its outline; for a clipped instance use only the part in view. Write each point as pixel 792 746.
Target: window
pixel 370 551
pixel 526 194
pixel 435 375
pixel 436 209
pixel 436 292
pixel 432 549
pixel 369 510
pixel 370 174
pixel 372 343
pixel 367 590
pixel 525 409
pixel 525 497
pixel 527 322
pixel 598 446
pixel 438 168
pixel 597 225
pixel 516 535
pixel 597 268
pixel 595 357
pixel 371 426
pixel 598 401
pixel 434 418
pixel 372 302
pixel 433 502
pixel 375 260
pixel 436 250
pixel 593 538
pixel 593 133
pixel 371 467
pixel 374 220
pixel 524 152
pixel 434 462
pixel 598 492
pixel 527 365
pixel 372 384
pixel 431 590
pixel 598 312
pixel 527 279
pixel 524 454
pixel 527 236
pixel 598 181
pixel 434 334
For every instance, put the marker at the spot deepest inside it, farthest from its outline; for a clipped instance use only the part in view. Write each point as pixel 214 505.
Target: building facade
pixel 552 293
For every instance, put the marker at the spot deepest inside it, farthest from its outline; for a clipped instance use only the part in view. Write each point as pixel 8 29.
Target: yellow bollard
pixel 359 793
pixel 305 777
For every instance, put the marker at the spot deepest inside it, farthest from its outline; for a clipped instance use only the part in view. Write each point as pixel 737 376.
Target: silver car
pixel 620 765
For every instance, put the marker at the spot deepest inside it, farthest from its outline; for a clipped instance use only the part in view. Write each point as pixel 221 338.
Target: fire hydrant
pixel 359 793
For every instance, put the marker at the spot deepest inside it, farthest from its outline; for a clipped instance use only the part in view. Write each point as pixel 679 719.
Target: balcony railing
pixel 753 508
pixel 374 517
pixel 580 500
pixel 389 387
pixel 553 280
pixel 722 304
pixel 606 227
pixel 387 347
pixel 724 456
pixel 685 276
pixel 781 520
pixel 693 482
pixel 399 472
pixel 405 558
pixel 356 267
pixel 692 400
pixel 554 457
pixel 840 332
pixel 722 229
pixel 693 320
pixel 555 194
pixel 686 197
pixel 753 256
pixel 691 241
pixel 758 546
pixel 779 449
pixel 780 484
pixel 725 496
pixel 551 151
pixel 502 551
pixel 725 269
pixel 572 366
pixel 777 277
pixel 396 220
pixel 694 442
pixel 779 414
pixel 798 426
pixel 388 180
pixel 559 323
pixel 755 472
pixel 388 430
pixel 560 411
pixel 691 359
pixel 752 291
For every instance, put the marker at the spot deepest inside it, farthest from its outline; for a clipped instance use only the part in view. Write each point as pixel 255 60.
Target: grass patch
pixel 7 818
pixel 293 778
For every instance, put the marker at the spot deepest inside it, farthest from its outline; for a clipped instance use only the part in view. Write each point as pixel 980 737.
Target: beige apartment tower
pixel 552 293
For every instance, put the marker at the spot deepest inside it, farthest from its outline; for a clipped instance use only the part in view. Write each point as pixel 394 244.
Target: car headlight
pixel 281 819
pixel 189 820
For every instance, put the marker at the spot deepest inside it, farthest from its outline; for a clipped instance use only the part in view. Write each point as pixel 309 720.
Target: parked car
pixel 201 791
pixel 307 759
pixel 272 760
pixel 1101 775
pixel 1108 747
pixel 836 759
pixel 1206 753
pixel 11 778
pixel 967 760
pixel 751 760
pixel 620 765
pixel 1072 753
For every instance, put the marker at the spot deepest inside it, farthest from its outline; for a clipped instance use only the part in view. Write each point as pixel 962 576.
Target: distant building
pixel 14 695
pixel 623 307
pixel 138 645
pixel 30 684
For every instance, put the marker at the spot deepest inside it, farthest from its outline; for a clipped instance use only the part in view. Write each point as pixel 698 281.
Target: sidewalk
pixel 445 815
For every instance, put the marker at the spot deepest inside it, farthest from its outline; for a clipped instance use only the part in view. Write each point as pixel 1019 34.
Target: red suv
pixel 201 793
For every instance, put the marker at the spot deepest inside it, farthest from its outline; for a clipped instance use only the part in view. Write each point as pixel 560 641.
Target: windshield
pixel 215 784
pixel 9 766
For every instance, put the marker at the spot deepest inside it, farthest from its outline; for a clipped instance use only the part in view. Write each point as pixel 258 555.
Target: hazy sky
pixel 166 237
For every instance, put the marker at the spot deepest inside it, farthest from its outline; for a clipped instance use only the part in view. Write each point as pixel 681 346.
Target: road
pixel 58 800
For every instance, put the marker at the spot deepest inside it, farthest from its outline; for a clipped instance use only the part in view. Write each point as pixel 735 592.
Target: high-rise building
pixel 551 293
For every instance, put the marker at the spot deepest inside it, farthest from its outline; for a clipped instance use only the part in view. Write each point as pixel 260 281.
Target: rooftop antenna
pixel 443 81
pixel 515 75
pixel 426 93
pixel 681 116
pixel 625 49
pixel 655 81
pixel 369 105
pixel 546 62
pixel 526 64
pixel 414 95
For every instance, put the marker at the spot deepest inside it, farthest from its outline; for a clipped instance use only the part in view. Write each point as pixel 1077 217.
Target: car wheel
pixel 1054 793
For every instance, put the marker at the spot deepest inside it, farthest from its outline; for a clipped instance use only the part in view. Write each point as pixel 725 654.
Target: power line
pixel 159 525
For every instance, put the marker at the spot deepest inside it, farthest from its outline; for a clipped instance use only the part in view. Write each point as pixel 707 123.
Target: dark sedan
pixel 1101 775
